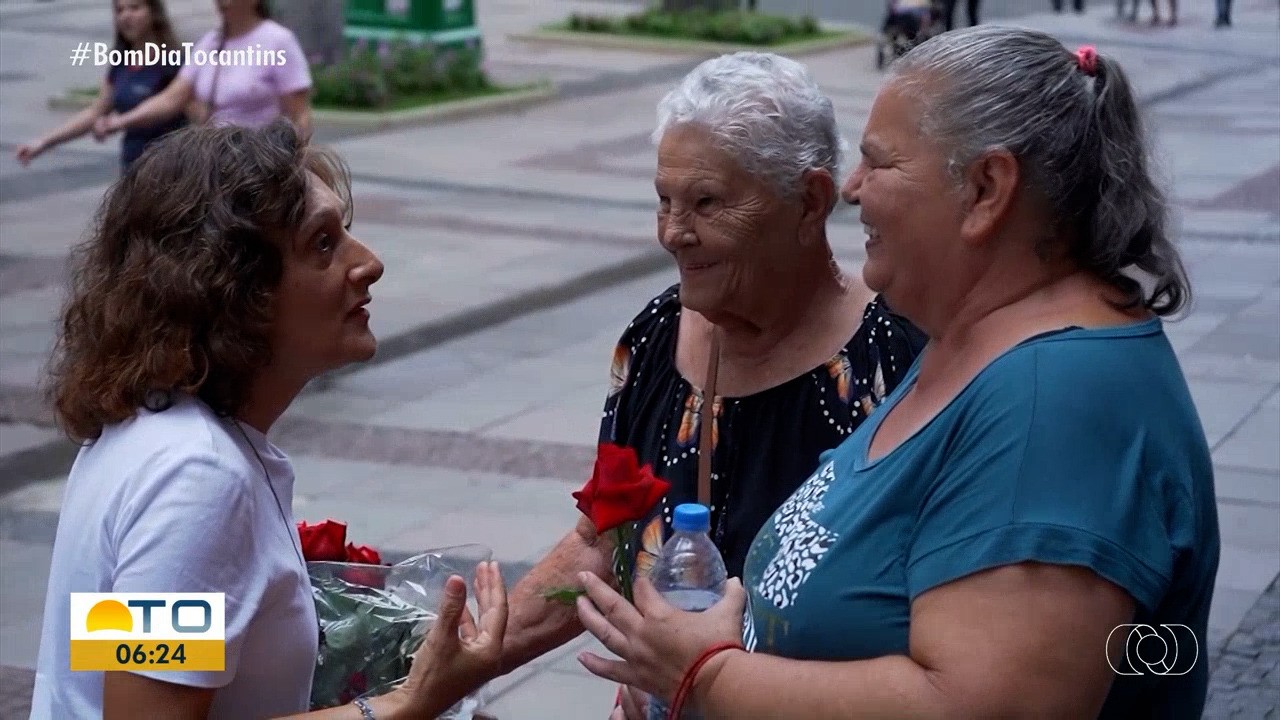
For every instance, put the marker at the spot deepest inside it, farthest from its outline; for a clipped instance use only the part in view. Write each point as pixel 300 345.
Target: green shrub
pixel 351 86
pixel 664 24
pixel 764 30
pixel 728 26
pixel 412 70
pixel 591 23
pixel 632 23
pixel 366 79
pixel 463 71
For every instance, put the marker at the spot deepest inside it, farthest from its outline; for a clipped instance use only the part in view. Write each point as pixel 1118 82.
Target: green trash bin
pixel 446 24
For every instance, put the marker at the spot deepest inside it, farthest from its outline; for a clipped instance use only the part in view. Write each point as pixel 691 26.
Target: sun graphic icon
pixel 109 615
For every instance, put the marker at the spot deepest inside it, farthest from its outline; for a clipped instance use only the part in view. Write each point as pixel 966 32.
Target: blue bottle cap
pixel 691 517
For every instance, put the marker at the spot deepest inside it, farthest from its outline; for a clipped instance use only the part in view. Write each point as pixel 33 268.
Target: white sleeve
pixel 187 526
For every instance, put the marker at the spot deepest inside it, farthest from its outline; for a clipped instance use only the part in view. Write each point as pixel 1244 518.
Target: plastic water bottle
pixel 689 573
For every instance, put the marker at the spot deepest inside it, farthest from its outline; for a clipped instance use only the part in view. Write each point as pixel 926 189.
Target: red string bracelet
pixel 690 675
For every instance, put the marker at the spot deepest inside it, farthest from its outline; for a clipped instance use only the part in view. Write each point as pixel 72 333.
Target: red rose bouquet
pixel 619 494
pixel 327 542
pixel 373 616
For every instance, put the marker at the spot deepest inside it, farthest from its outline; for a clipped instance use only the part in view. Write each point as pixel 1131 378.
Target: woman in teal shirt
pixel 1027 526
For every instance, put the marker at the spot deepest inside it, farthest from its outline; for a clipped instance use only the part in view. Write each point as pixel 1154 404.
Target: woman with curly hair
pixel 221 278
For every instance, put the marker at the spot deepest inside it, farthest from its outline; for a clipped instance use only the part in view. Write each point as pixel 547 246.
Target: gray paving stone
pixel 1273 401
pixel 1267 306
pixel 1240 336
pixel 47 226
pixel 479 403
pixel 1212 303
pixel 575 418
pixel 576 322
pixel 1250 527
pixel 15 691
pixel 33 339
pixel 1239 264
pixel 324 402
pixel 552 659
pixel 1223 405
pixel 469 408
pixel 25 569
pixel 16 437
pixel 1243 684
pixel 1247 569
pixel 324 476
pixel 1255 444
pixel 26 309
pixel 556 695
pixel 1201 365
pixel 1247 485
pixel 22 372
pixel 411 377
pixel 1186 332
pixel 1229 608
pixel 519 537
pixel 41 495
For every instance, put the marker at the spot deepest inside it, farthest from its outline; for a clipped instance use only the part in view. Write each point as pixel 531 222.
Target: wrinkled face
pixel 910 206
pixel 133 20
pixel 321 322
pixel 725 227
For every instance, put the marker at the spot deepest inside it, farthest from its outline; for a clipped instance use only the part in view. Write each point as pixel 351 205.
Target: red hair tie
pixel 1087 60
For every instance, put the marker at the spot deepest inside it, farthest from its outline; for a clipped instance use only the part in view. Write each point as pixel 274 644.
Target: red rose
pixel 363 554
pixel 363 576
pixel 619 489
pixel 324 541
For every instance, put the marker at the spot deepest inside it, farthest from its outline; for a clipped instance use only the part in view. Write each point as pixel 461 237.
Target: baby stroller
pixel 907 23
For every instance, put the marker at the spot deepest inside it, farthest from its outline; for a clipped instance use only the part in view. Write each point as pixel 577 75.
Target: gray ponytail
pixel 1080 141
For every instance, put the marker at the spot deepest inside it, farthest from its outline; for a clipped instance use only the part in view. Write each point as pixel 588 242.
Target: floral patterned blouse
pixel 764 445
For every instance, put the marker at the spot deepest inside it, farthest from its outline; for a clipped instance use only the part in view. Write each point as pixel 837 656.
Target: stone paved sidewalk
pixel 1246 676
pixel 520 244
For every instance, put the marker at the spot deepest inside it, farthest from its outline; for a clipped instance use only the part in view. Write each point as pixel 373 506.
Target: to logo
pixel 160 631
pixel 1171 650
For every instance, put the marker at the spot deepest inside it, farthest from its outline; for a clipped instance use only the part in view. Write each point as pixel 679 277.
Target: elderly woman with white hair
pixel 747 176
pixel 1027 525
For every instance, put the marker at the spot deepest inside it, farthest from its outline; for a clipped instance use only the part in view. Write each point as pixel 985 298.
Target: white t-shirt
pixel 176 501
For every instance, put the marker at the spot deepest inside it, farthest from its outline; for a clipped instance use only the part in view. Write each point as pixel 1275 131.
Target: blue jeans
pixel 1224 9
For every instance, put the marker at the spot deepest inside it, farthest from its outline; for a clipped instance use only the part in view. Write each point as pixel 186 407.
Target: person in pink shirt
pixel 247 72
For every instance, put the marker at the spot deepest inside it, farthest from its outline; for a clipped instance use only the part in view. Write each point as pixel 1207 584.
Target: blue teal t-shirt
pixel 1078 447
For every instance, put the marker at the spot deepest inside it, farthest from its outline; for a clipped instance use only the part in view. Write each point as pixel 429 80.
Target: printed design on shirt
pixel 691 420
pixel 619 369
pixel 872 400
pixel 650 546
pixel 841 372
pixel 801 541
pixel 749 639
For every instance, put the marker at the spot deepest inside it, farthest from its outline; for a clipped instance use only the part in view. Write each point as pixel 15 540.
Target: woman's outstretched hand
pixel 460 653
pixel 29 151
pixel 106 126
pixel 656 641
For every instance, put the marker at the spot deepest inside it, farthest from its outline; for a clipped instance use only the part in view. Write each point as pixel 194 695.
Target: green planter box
pixel 443 23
